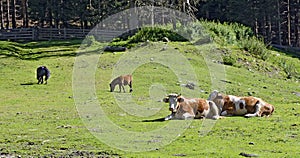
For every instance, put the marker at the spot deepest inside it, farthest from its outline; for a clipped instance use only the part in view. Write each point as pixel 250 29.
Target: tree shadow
pixel 54 43
pixel 290 51
pixel 49 54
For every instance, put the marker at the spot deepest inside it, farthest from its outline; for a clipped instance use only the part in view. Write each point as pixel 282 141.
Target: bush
pixel 89 40
pixel 155 34
pixel 255 47
pixel 229 60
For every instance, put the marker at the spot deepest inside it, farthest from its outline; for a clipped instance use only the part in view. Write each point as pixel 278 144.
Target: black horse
pixel 41 72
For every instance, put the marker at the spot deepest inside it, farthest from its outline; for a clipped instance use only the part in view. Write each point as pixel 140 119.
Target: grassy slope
pixel 40 120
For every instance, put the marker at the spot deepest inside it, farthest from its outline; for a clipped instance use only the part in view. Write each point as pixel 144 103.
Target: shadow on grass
pixel 290 51
pixel 46 44
pixel 155 120
pixel 46 54
pixel 28 84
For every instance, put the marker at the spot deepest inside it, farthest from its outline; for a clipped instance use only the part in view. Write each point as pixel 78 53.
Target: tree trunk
pixel 279 23
pixel 24 12
pixel 50 7
pixel 288 23
pixel 13 14
pixel 7 15
pixel 1 15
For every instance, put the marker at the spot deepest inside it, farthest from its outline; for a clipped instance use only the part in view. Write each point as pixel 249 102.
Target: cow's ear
pixel 166 100
pixel 180 99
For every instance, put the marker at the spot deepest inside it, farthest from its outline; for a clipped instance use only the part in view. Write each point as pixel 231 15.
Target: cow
pixel 184 108
pixel 249 106
pixel 40 73
pixel 122 81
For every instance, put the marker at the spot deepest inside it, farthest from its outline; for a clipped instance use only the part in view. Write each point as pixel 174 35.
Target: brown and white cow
pixel 241 106
pixel 121 81
pixel 184 108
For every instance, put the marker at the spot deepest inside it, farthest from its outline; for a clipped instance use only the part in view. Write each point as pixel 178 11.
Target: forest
pixel 275 21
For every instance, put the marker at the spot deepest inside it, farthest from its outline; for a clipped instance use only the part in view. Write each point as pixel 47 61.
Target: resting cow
pixel 121 81
pixel 184 108
pixel 241 106
pixel 41 72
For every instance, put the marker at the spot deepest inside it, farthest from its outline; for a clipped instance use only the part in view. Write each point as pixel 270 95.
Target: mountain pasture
pixel 42 120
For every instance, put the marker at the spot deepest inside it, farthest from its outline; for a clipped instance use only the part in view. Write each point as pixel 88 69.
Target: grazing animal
pixel 41 72
pixel 241 106
pixel 121 81
pixel 184 108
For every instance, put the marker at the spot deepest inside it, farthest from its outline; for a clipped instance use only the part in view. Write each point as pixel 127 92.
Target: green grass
pixel 42 120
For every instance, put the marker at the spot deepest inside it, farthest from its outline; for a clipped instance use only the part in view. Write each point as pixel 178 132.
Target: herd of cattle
pixel 216 106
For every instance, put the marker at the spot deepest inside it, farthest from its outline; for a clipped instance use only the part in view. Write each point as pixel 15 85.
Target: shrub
pixel 155 34
pixel 255 47
pixel 229 60
pixel 289 68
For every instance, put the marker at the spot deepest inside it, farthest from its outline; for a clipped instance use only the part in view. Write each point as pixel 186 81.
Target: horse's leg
pixel 42 79
pixel 130 85
pixel 123 88
pixel 120 88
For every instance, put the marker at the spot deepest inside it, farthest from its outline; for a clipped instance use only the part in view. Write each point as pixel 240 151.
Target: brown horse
pixel 121 81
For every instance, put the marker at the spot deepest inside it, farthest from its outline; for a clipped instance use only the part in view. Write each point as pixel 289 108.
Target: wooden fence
pixel 34 34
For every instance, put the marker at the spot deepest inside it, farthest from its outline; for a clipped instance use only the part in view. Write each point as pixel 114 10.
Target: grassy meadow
pixel 43 120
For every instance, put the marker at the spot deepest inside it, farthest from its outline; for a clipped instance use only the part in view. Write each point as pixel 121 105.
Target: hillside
pixel 48 121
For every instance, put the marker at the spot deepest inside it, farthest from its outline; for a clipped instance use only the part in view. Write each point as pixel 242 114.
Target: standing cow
pixel 121 81
pixel 184 108
pixel 41 72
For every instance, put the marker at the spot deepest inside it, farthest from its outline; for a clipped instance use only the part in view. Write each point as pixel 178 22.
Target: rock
pixel 179 155
pixel 248 155
pixel 251 143
pixel 114 49
pixel 296 93
pixel 190 85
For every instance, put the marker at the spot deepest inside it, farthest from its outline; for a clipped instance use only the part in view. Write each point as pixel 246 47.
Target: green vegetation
pixel 42 120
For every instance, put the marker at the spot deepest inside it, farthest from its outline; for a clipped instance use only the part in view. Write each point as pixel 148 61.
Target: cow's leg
pixel 188 116
pixel 169 117
pixel 224 113
pixel 213 110
pixel 257 111
pixel 251 115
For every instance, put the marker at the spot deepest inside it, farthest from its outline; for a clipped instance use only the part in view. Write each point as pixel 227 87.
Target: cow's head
pixel 213 95
pixel 173 100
